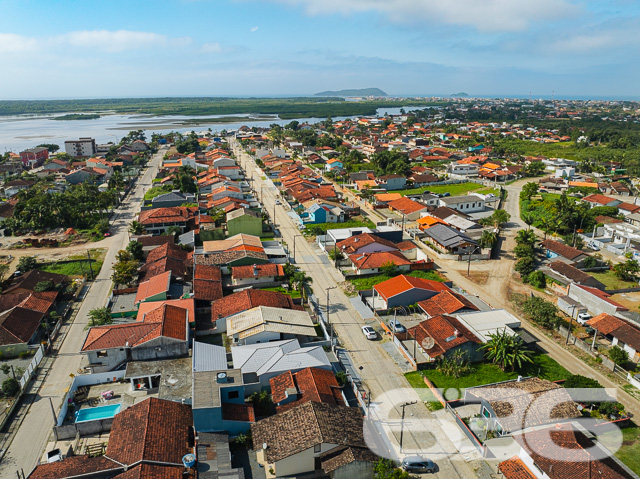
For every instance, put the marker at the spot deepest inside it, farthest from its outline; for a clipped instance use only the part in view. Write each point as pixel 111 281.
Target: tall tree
pixel 506 351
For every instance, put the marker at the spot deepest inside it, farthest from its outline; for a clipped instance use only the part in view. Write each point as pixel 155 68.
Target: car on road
pixel 278 202
pixel 418 464
pixel 394 324
pixel 583 318
pixel 593 246
pixel 369 332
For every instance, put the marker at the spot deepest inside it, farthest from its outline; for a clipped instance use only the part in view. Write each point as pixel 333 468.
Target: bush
pixel 44 286
pixel 537 279
pixel 341 377
pixel 10 387
pixel 26 263
pixel 540 311
pixel 525 266
pixel 618 355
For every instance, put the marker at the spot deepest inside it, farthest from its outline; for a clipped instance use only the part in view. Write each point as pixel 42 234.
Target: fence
pixel 33 365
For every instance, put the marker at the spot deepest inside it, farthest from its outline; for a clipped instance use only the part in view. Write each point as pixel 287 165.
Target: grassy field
pixel 156 191
pixel 453 189
pixel 629 453
pixel 486 373
pixel 293 293
pixel 609 279
pixel 362 284
pixel 321 228
pixel 77 265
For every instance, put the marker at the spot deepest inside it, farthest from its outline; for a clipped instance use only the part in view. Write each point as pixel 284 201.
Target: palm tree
pixel 506 350
pixel 136 228
pixel 528 219
pixel 301 281
pixel 488 239
pixel 527 237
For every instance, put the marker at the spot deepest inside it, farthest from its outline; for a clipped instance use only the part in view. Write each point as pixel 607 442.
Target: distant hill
pixel 356 92
pixel 460 95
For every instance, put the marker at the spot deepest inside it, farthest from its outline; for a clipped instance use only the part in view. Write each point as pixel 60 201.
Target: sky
pixel 142 48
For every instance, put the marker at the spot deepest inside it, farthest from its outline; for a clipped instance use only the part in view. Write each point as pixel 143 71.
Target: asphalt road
pixel 29 442
pixel 386 383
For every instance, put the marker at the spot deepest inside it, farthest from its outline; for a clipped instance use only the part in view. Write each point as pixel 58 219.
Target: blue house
pixel 219 393
pixel 475 148
pixel 323 213
pixel 334 164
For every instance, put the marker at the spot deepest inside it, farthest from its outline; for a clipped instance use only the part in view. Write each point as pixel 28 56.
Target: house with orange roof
pixel 428 221
pixel 290 389
pixel 408 208
pixel 155 288
pixel 373 263
pixel 161 333
pixel 442 335
pixel 159 220
pixel 402 291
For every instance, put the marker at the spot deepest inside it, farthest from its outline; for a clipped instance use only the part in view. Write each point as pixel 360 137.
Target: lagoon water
pixel 26 131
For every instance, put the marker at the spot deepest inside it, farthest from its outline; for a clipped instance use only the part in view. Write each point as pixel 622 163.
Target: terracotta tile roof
pixel 156 471
pixel 354 243
pixel 376 260
pixel 228 257
pixel 406 205
pixel 602 295
pixel 514 468
pixel 152 430
pixel 155 285
pixel 388 196
pixel 394 286
pixel 207 290
pixel 605 220
pixel 156 240
pixel 174 214
pixel 41 301
pixel 574 274
pixel 167 257
pixel 342 455
pixel 75 466
pixel 563 250
pixel 310 384
pixel 406 245
pixel 447 333
pixel 186 304
pixel 238 412
pixel 446 302
pixel 18 325
pixel 527 403
pixel 563 453
pixel 599 199
pixel 605 323
pixel 250 298
pixel 211 273
pixel 30 279
pixel 257 271
pixel 8 301
pixel 443 212
pixel 629 207
pixel 305 426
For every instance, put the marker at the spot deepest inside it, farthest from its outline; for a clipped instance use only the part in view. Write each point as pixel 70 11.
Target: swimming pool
pixel 95 413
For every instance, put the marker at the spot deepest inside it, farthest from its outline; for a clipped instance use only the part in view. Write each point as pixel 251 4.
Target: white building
pixel 81 147
pixel 471 203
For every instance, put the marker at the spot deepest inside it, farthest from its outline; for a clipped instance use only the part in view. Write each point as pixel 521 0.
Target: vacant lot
pixel 453 189
pixel 611 281
pixel 363 284
pixel 630 300
pixel 77 265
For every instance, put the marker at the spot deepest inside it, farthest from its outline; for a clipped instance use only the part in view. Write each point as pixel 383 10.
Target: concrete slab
pixel 361 308
pixel 398 358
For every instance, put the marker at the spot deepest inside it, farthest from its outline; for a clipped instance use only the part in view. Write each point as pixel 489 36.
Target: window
pixel 233 394
pixel 102 354
pixel 317 448
pixel 485 412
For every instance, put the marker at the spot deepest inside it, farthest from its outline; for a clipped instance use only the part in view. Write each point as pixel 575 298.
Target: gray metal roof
pixel 209 357
pixel 447 237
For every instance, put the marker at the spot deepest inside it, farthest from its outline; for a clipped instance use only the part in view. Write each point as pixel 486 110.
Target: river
pixel 20 132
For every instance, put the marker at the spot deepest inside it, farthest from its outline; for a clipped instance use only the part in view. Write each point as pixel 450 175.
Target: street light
pixel 402 420
pixel 328 322
pixel 294 246
pixel 573 309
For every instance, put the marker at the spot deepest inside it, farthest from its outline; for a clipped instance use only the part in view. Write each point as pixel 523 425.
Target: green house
pixel 244 221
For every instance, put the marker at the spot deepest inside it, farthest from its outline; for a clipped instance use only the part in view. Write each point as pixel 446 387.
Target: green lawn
pixel 156 191
pixel 486 373
pixel 453 189
pixel 77 265
pixel 321 228
pixel 293 293
pixel 369 282
pixel 609 279
pixel 629 453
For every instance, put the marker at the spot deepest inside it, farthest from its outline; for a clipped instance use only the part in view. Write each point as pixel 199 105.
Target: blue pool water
pixel 95 413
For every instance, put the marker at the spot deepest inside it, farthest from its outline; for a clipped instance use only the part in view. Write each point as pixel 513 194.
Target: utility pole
pixel 402 421
pixel 469 260
pixel 328 322
pixel 570 323
pixel 595 335
pixel 90 268
pixel 294 247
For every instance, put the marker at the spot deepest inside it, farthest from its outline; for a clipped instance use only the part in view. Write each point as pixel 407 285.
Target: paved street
pixel 379 372
pixel 33 435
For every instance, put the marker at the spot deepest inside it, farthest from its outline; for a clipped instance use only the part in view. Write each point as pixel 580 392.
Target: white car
pixel 593 246
pixel 278 202
pixel 369 332
pixel 583 318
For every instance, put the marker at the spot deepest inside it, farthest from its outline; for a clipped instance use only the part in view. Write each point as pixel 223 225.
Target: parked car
pixel 583 318
pixel 593 246
pixel 369 332
pixel 278 202
pixel 395 324
pixel 444 195
pixel 418 464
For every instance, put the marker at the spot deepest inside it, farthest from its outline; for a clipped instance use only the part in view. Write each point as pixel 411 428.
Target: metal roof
pixel 208 357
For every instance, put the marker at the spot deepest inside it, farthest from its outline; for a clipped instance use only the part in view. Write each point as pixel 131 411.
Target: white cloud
pixel 12 43
pixel 212 48
pixel 487 15
pixel 612 39
pixel 254 29
pixel 120 40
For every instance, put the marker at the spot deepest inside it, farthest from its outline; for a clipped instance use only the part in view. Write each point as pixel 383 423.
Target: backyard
pixel 363 284
pixel 629 452
pixel 321 228
pixel 76 265
pixel 156 191
pixel 543 367
pixel 292 292
pixel 611 281
pixel 452 189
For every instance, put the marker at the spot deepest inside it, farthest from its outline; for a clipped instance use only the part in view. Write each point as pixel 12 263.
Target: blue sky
pixel 114 48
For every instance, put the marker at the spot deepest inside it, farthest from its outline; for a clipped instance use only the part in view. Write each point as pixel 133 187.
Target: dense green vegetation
pixel 284 107
pixel 363 284
pixel 77 265
pixel 77 116
pixel 321 228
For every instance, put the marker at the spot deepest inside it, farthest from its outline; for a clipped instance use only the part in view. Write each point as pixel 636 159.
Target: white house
pixel 467 204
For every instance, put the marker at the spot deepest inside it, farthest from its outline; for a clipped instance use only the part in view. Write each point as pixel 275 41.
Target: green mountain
pixel 460 95
pixel 355 92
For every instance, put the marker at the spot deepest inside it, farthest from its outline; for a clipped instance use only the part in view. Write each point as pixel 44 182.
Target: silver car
pixel 369 332
pixel 418 464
